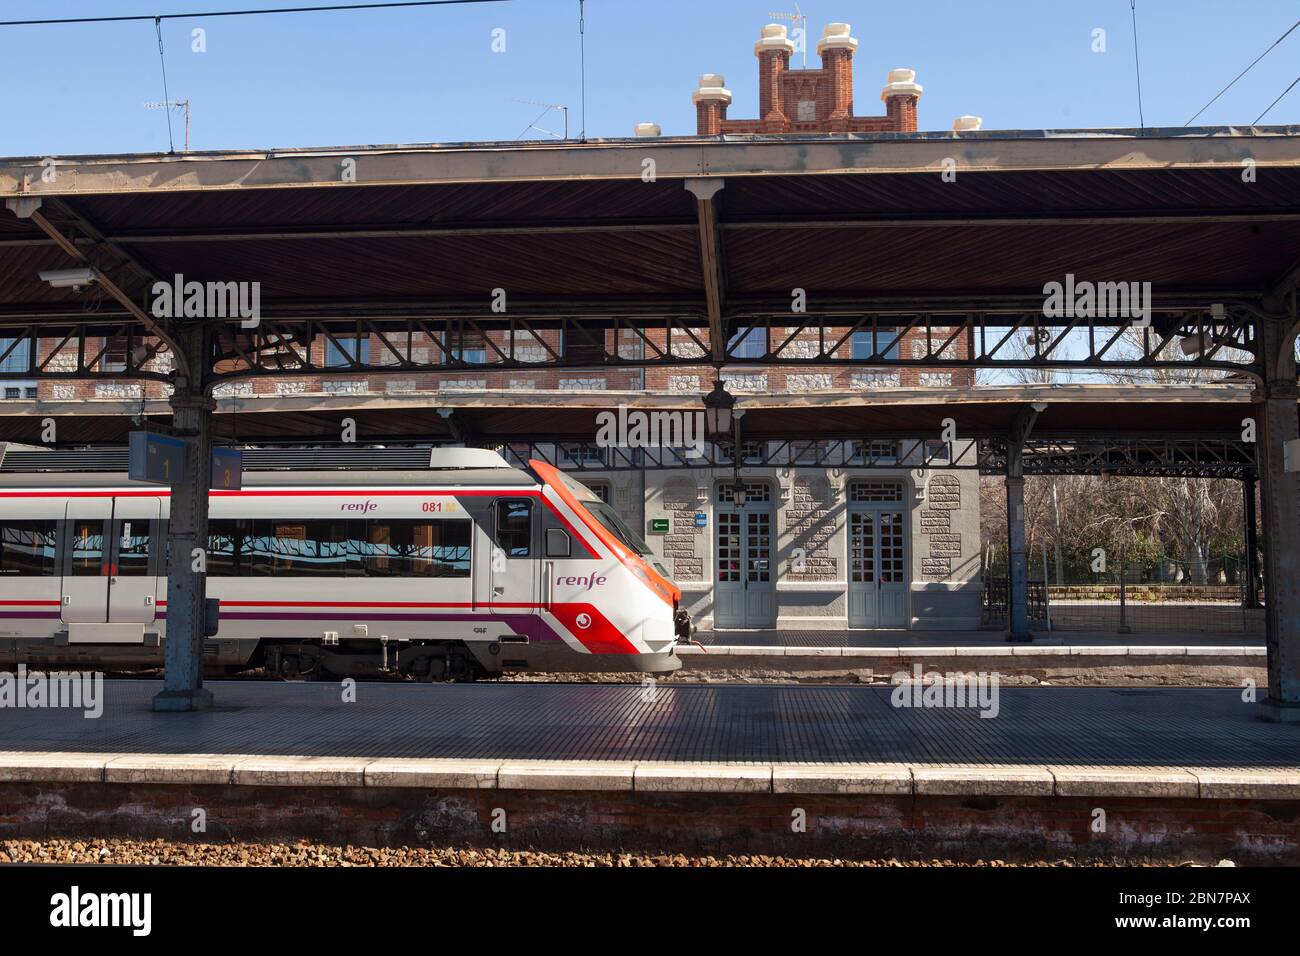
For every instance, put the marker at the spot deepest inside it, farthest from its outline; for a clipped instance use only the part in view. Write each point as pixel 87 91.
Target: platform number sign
pixel 227 469
pixel 157 459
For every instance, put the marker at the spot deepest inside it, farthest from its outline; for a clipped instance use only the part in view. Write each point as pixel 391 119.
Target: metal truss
pixel 1158 458
pixel 890 454
pixel 76 347
pixel 931 340
pixel 117 351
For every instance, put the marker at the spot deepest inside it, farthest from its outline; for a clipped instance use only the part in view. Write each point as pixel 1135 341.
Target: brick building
pixel 809 546
pixel 807 101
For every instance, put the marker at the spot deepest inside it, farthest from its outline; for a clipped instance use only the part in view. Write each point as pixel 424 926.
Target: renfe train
pixel 468 568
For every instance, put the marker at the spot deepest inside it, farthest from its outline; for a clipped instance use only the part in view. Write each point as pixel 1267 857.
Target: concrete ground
pixel 666 737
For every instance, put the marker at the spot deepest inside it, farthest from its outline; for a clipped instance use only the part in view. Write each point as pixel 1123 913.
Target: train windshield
pixel 616 526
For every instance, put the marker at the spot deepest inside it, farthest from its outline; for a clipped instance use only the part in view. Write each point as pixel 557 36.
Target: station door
pixel 877 543
pixel 744 591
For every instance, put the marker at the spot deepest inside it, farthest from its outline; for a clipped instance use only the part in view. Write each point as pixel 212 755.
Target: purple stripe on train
pixel 530 626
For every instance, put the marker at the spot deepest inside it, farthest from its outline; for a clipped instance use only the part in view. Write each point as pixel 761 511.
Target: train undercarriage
pixel 449 661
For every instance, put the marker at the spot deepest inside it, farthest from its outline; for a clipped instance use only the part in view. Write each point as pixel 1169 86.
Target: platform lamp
pixel 721 423
pixel 719 406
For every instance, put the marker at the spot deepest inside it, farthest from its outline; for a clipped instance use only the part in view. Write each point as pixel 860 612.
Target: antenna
pixel 800 22
pixel 175 105
pixel 549 106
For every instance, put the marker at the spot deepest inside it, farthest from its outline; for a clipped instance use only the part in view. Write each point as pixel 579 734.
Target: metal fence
pixel 1154 596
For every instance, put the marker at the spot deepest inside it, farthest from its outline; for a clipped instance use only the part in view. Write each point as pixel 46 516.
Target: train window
pixel 420 548
pixel 514 526
pixel 87 548
pixel 133 548
pixel 230 547
pixel 558 544
pixel 27 547
pixel 306 547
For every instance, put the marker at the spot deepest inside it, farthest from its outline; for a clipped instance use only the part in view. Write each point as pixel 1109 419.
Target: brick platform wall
pixel 963 828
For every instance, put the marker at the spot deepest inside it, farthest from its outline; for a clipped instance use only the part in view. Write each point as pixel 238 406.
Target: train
pixel 468 567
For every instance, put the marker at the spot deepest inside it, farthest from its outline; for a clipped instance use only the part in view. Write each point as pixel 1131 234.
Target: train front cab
pixel 599 586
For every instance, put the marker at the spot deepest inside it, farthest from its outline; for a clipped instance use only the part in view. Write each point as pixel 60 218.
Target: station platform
pixel 904 639
pixel 1188 770
pixel 1068 657
pixel 1204 737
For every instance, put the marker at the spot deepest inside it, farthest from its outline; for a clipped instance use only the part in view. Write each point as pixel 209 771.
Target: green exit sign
pixel 658 525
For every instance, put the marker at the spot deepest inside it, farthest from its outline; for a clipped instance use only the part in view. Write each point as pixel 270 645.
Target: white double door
pixel 744 589
pixel 877 542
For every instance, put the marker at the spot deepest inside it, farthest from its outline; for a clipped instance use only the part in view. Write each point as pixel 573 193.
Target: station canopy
pixel 587 231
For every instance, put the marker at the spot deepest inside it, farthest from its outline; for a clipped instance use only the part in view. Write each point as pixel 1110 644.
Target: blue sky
pixel 429 74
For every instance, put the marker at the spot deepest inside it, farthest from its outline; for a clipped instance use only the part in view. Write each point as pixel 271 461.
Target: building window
pixel 868 344
pixel 19 360
pixel 582 455
pixel 113 357
pixel 345 351
pixel 809 452
pixel 938 451
pixel 872 491
pixel 753 453
pixel 757 491
pixel 470 348
pixel 874 452
pixel 748 343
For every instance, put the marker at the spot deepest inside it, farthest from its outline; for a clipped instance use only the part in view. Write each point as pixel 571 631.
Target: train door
pixel 109 576
pixel 877 544
pixel 133 570
pixel 513 562
pixel 85 572
pixel 744 592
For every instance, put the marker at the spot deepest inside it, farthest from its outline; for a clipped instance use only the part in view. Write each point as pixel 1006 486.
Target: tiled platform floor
pixel 1167 727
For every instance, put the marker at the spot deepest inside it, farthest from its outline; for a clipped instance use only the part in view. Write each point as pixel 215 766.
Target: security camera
pixel 73 279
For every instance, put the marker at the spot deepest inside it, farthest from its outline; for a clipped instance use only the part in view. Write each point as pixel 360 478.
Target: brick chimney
pixel 773 50
pixel 901 94
pixel 836 48
pixel 711 101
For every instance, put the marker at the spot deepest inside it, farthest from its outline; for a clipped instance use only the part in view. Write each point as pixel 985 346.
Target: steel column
pixel 1250 522
pixel 1017 561
pixel 187 534
pixel 1276 425
pixel 1017 553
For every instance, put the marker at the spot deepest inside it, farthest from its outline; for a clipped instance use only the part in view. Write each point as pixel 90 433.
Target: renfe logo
pixel 587 581
pixel 365 507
